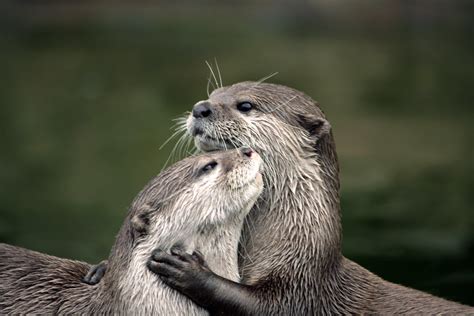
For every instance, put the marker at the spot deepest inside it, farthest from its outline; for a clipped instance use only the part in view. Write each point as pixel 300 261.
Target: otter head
pixel 199 203
pixel 281 123
pixel 196 194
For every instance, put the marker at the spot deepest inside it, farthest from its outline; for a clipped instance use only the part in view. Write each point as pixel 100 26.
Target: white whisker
pixel 208 83
pixel 213 75
pixel 283 104
pixel 266 77
pixel 218 72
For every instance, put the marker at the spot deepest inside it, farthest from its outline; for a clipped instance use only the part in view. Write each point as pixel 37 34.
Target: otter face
pixel 260 115
pixel 209 189
pixel 225 186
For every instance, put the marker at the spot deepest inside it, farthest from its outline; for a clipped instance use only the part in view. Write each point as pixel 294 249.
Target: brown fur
pixel 32 282
pixel 187 203
pixel 291 254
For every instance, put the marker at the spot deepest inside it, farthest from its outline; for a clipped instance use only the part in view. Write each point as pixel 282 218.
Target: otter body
pixel 291 261
pixel 32 282
pixel 219 188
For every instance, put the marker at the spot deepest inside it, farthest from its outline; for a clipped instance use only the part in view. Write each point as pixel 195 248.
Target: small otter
pixel 219 188
pixel 291 262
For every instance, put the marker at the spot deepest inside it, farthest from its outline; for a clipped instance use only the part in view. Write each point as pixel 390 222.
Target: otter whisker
pixel 213 74
pixel 172 155
pixel 266 78
pixel 180 127
pixel 182 148
pixel 181 120
pixel 188 145
pixel 283 104
pixel 221 139
pixel 218 72
pixel 177 132
pixel 208 83
pixel 234 144
pixel 195 151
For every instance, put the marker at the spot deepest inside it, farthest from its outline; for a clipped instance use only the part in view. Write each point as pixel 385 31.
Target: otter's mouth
pixel 208 143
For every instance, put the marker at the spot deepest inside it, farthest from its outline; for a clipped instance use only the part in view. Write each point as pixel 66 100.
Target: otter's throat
pixel 141 291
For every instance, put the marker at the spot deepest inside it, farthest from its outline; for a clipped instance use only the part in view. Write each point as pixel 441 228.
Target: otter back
pixel 32 282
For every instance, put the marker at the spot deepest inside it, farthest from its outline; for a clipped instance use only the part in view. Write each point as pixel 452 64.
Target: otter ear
pixel 141 220
pixel 316 126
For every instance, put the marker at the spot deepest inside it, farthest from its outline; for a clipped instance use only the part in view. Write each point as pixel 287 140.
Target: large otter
pixel 291 261
pixel 219 188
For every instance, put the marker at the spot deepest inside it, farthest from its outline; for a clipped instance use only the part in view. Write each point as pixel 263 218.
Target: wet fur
pixel 179 206
pixel 291 244
pixel 32 282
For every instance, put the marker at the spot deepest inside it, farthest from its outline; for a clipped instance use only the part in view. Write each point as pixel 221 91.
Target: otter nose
pixel 247 151
pixel 202 110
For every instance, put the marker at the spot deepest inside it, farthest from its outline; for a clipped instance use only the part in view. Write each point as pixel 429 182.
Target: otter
pixel 219 188
pixel 291 261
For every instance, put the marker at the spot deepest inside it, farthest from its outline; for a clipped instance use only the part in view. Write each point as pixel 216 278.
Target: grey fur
pixel 182 205
pixel 291 253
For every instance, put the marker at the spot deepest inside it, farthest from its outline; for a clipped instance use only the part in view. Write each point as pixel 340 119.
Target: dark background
pixel 88 92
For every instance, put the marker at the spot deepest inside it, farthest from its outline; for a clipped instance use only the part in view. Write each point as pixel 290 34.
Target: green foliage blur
pixel 88 91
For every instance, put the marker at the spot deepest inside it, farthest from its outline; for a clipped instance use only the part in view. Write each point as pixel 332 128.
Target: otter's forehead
pixel 180 176
pixel 184 171
pixel 249 89
pixel 267 96
pixel 233 94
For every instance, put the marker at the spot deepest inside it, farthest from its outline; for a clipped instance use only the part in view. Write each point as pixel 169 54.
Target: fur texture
pixel 199 203
pixel 291 244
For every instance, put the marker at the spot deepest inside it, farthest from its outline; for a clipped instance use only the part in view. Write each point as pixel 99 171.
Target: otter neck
pixel 137 290
pixel 300 206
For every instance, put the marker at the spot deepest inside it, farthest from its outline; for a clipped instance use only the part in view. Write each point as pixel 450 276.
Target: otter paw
pixel 180 270
pixel 96 273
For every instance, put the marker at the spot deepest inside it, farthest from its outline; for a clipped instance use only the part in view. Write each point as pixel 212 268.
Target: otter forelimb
pixel 190 275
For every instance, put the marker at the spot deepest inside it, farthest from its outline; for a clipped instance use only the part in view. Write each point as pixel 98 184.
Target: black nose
pixel 202 110
pixel 247 151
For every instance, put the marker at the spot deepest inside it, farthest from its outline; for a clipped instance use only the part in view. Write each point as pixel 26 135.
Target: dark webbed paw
pixel 180 270
pixel 96 273
pixel 190 275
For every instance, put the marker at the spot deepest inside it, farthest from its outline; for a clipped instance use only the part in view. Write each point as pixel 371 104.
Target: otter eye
pixel 244 106
pixel 209 166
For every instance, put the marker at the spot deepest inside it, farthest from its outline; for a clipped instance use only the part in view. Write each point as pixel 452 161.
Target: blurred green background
pixel 88 91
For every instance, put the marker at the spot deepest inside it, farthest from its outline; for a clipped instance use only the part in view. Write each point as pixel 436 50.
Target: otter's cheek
pixel 259 181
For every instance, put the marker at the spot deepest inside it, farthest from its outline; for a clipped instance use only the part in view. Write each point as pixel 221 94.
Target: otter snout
pixel 202 109
pixel 251 154
pixel 247 151
pixel 244 168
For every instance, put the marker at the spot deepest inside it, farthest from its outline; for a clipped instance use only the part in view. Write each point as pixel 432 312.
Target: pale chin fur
pixel 207 145
pixel 138 284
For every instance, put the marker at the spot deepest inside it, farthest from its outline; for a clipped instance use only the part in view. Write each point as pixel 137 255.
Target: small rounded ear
pixel 141 220
pixel 316 126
